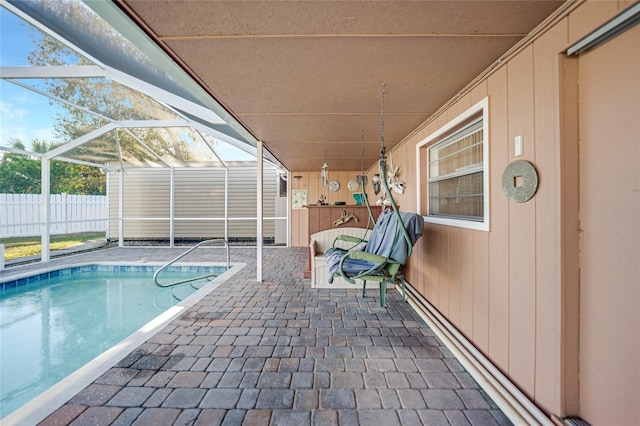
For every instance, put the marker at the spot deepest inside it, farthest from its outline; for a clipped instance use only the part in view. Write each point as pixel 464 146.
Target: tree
pixel 21 174
pixel 77 179
pixel 108 99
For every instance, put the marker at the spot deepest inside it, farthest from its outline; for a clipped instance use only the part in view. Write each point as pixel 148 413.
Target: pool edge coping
pixel 43 405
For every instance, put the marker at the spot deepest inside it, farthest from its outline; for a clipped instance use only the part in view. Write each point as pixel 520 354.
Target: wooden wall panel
pixel 522 227
pixel 459 107
pixel 430 277
pixel 481 290
pixel 480 266
pixel 304 229
pixel 478 93
pixel 499 220
pixel 453 284
pixel 311 182
pixel 548 242
pixel 439 255
pixel 466 282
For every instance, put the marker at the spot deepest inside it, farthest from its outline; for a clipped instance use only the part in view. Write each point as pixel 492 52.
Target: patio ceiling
pixel 305 77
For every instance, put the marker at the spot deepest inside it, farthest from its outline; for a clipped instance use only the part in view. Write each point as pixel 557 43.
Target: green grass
pixel 28 246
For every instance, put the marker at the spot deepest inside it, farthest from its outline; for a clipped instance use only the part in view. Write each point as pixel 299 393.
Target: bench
pixel 320 241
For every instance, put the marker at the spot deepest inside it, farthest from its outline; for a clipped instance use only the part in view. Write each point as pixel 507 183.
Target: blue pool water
pixel 53 324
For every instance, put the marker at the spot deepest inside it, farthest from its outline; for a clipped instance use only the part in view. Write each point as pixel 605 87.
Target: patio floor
pixel 280 353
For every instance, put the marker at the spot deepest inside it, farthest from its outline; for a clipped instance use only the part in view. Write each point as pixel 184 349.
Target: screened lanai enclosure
pixel 91 99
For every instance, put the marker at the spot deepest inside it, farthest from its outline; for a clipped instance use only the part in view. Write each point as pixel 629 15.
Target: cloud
pixel 23 117
pixel 24 133
pixel 8 112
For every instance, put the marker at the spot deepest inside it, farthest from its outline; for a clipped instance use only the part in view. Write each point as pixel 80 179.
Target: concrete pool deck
pixel 278 352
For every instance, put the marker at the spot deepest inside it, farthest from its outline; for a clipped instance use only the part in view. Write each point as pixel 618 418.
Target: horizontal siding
pixel 199 194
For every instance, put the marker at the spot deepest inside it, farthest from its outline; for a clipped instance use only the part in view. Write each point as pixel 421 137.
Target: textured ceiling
pixel 305 77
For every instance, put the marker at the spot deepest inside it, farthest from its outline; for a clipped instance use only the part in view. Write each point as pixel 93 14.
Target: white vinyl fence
pixel 20 214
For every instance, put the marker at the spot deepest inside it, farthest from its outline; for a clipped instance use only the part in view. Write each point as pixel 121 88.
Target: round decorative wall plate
pixel 520 181
pixel 334 185
pixel 352 185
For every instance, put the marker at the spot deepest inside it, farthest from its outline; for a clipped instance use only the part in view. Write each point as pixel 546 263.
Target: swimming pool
pixel 53 323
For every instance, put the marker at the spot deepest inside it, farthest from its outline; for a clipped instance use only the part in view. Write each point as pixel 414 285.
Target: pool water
pixel 52 326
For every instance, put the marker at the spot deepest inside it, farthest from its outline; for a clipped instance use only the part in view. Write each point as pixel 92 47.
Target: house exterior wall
pixel 199 194
pixel 514 291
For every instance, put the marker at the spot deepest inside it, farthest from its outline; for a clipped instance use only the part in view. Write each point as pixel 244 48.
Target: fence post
pixel 63 213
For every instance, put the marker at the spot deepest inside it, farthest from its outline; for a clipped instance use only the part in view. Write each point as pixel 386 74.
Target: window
pixel 453 166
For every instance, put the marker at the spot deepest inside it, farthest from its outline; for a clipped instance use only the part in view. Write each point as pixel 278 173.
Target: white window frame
pixel 422 167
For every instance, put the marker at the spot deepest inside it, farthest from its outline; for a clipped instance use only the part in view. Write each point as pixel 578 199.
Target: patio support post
pixel 172 201
pixel 107 231
pixel 259 243
pixel 121 210
pixel 289 176
pixel 45 208
pixel 226 204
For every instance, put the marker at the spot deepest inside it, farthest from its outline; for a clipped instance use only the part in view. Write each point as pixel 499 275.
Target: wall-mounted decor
pixel 344 218
pixel 334 186
pixel 392 178
pixel 520 181
pixel 375 182
pixel 324 174
pixel 299 198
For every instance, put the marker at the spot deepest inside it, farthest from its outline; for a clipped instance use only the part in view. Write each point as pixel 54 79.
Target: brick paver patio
pixel 281 353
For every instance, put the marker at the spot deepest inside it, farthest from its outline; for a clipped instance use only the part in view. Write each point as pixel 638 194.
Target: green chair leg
pixel 364 288
pixel 383 294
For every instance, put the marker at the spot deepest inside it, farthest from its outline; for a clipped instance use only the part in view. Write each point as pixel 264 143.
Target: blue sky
pixel 23 114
